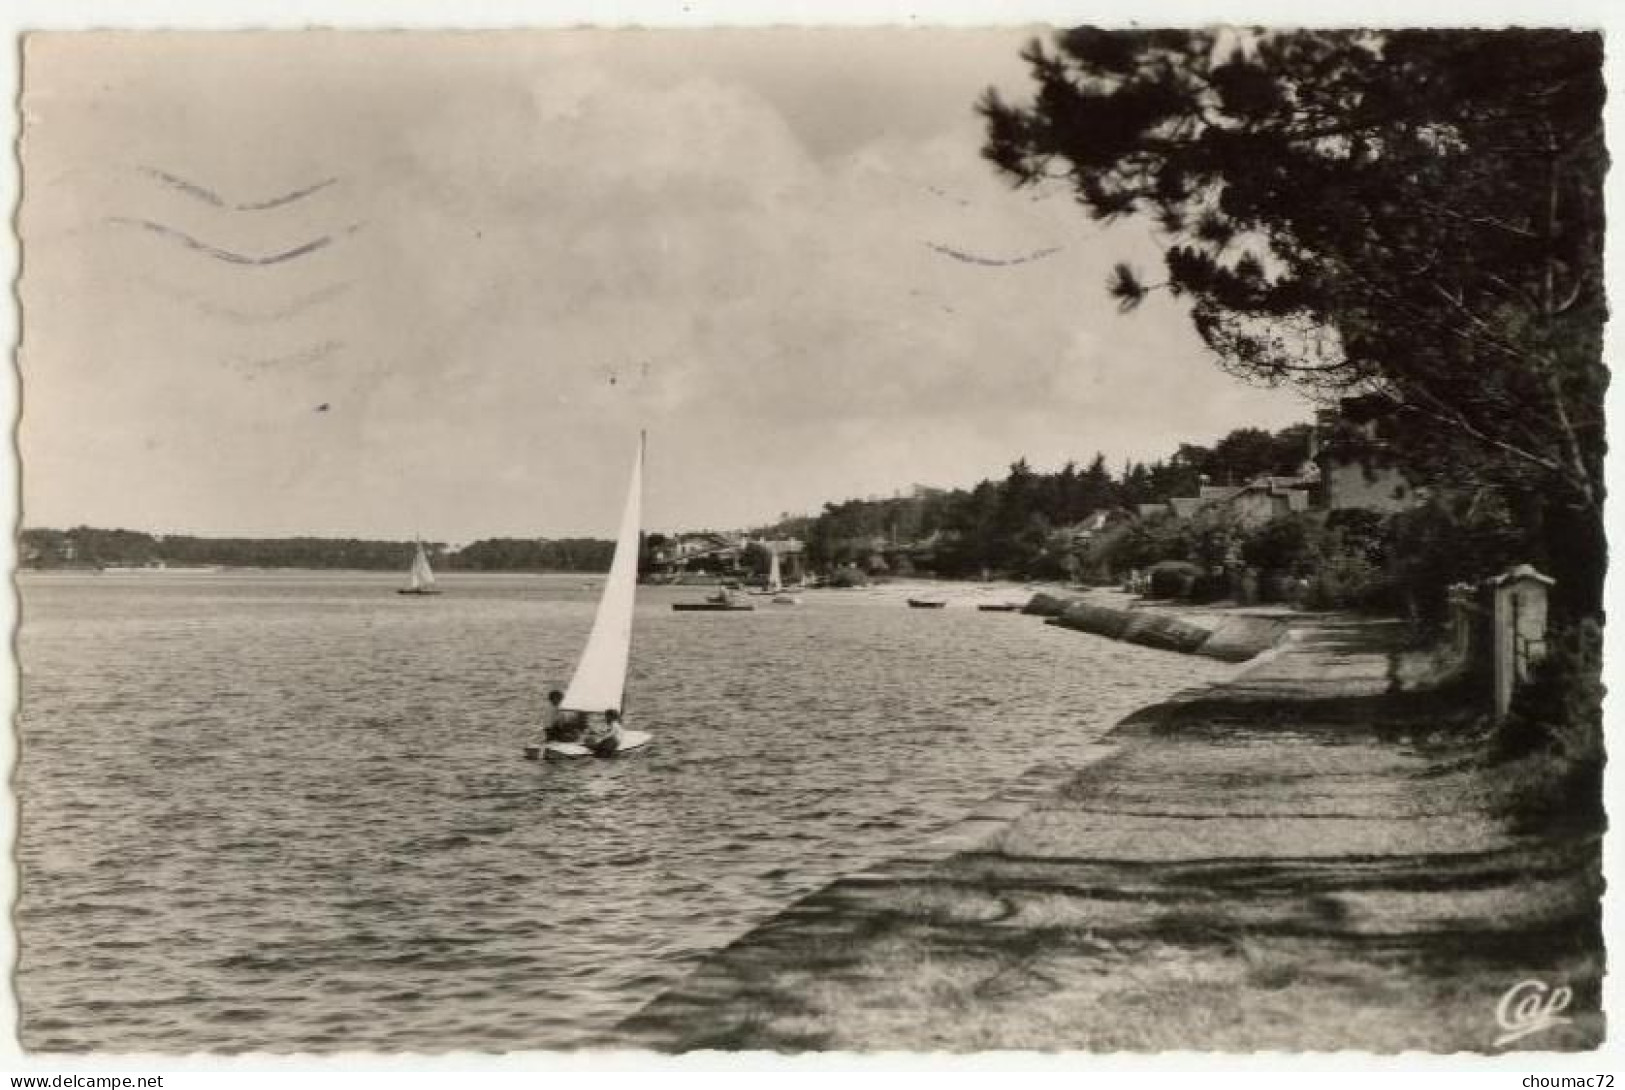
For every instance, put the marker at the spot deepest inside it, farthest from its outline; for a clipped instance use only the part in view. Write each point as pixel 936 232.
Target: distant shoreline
pixel 896 583
pixel 232 569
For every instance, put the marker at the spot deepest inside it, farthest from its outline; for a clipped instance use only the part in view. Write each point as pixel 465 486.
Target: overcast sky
pixel 398 284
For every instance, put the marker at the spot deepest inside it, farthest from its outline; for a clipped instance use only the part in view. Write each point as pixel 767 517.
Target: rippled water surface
pixel 288 811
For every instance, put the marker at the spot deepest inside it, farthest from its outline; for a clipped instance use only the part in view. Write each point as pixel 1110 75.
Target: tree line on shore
pixel 1414 217
pixel 1024 524
pixel 88 547
pixel 997 524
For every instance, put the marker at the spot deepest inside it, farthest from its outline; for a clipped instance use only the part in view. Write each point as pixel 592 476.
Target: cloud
pixel 568 237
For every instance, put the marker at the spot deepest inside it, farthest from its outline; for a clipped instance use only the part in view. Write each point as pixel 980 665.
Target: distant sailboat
pixel 599 683
pixel 775 584
pixel 421 576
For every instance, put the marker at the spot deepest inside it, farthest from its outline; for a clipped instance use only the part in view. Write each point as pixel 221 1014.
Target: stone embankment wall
pixel 1232 637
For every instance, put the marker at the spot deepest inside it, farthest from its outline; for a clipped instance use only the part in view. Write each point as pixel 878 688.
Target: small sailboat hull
pixel 632 741
pixel 712 607
pixel 420 579
pixel 598 686
pixel 926 603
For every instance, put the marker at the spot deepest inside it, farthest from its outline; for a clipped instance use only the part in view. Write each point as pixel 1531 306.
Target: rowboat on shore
pixel 927 603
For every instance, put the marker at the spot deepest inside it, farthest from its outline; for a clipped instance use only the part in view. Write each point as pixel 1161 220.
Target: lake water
pixel 288 812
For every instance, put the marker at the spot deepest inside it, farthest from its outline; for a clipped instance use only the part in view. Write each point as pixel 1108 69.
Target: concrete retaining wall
pixel 1236 639
pixel 1111 623
pixel 1164 632
pixel 1233 638
pixel 1047 605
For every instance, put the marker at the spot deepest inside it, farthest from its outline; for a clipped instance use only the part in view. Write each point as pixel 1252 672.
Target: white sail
pixel 600 677
pixel 422 575
pixel 774 582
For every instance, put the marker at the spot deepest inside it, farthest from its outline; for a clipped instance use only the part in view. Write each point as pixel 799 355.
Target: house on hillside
pixel 1356 468
pixel 703 551
pixel 792 554
pixel 1348 465
pixel 1265 498
pixel 1253 503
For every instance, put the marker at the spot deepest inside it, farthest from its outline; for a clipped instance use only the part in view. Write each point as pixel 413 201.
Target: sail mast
pixel 600 677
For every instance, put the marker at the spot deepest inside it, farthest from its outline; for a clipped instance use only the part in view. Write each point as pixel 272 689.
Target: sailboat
pixel 420 577
pixel 775 585
pixel 599 683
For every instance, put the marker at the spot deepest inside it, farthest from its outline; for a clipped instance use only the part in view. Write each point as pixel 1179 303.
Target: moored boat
pixel 721 602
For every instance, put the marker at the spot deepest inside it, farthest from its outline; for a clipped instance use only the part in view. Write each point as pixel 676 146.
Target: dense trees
pixel 1413 215
pixel 535 554
pixel 91 548
pixel 86 546
pixel 1023 523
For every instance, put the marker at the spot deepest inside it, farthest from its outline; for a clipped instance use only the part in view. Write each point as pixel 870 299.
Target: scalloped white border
pixel 1244 1070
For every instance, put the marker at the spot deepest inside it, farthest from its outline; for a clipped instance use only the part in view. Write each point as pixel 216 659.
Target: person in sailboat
pixel 559 725
pixel 604 737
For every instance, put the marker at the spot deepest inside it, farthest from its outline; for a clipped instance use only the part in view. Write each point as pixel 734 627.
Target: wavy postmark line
pixel 252 369
pixel 299 358
pixel 995 262
pixel 290 310
pixel 210 197
pixel 232 257
pixel 243 316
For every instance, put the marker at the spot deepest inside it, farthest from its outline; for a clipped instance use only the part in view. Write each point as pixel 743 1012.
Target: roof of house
pixel 783 545
pixel 706 542
pixel 1276 485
